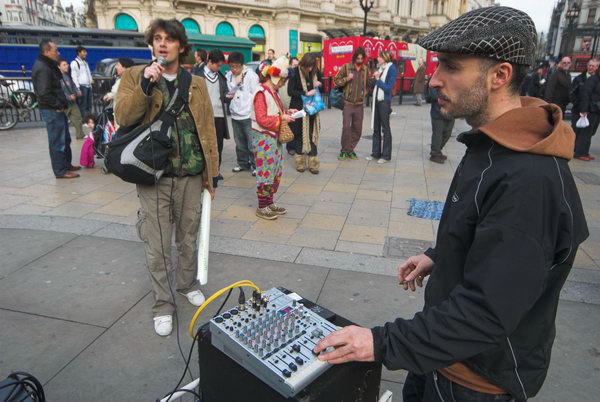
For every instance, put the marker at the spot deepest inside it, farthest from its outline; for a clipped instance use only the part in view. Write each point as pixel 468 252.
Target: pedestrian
pixel 86 156
pixel 353 78
pixel 217 90
pixel 270 56
pixel 285 99
pixel 173 204
pixel 536 87
pixel 70 90
pixel 305 80
pixel 508 236
pixel 558 87
pixel 52 102
pixel 123 64
pixel 441 129
pixel 385 79
pixel 82 77
pixel 419 86
pixel 200 56
pixel 242 83
pixel 577 93
pixel 589 107
pixel 267 117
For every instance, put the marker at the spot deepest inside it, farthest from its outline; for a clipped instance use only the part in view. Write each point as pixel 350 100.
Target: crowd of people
pixel 511 224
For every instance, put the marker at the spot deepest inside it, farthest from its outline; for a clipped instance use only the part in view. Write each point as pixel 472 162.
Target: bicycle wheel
pixel 9 116
pixel 24 98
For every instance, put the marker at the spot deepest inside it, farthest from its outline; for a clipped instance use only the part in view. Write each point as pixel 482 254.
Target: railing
pixel 100 87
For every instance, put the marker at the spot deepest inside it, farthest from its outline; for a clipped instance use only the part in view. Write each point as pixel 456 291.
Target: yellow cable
pixel 213 297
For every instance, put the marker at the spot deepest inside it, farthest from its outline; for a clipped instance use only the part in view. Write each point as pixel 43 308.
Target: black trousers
pixel 583 136
pixel 383 109
pixel 441 132
pixel 221 129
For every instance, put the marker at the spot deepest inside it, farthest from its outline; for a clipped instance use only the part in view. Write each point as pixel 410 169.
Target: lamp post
pixel 572 16
pixel 366 5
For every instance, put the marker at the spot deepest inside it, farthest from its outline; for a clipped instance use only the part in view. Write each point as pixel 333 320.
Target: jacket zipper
pixel 435 381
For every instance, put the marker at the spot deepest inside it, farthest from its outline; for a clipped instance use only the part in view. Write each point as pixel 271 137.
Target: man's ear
pixel 501 75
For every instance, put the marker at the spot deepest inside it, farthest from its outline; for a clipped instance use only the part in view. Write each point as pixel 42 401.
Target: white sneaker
pixel 369 158
pixel 163 325
pixel 195 297
pixel 382 161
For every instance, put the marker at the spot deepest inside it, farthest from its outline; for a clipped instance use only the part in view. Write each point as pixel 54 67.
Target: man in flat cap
pixel 508 236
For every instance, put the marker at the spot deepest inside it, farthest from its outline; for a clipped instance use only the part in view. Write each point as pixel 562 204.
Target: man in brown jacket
pixel 354 78
pixel 194 161
pixel 419 86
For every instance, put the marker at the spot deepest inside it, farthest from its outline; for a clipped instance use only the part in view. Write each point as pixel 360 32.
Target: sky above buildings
pixel 539 10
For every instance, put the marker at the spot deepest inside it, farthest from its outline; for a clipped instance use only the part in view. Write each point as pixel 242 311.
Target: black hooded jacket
pixel 46 78
pixel 506 243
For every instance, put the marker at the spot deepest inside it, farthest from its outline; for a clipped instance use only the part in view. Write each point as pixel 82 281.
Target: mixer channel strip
pixel 273 337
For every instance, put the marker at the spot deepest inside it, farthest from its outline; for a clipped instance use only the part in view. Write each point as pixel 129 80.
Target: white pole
pixel 191 386
pixel 203 239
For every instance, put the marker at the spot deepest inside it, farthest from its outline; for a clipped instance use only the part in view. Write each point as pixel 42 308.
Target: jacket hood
pixel 536 127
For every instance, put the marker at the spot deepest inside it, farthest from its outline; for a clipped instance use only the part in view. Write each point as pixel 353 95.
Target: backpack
pixel 141 155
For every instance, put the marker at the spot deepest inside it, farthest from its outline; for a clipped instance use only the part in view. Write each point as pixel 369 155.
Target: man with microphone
pixel 175 200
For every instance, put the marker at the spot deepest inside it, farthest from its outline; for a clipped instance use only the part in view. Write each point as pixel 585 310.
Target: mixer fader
pixel 272 335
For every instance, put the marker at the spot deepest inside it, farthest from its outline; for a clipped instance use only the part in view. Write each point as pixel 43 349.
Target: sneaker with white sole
pixel 382 161
pixel 369 158
pixel 163 325
pixel 195 297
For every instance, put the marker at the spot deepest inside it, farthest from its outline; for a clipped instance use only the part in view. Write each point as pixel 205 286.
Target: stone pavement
pixel 74 295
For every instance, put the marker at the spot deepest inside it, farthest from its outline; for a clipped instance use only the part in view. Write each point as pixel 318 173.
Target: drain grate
pixel 588 178
pixel 397 247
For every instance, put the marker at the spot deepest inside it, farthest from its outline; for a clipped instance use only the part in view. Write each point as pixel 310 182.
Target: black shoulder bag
pixel 141 155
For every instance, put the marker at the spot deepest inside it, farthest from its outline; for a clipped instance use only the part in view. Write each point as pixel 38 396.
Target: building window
pixel 125 22
pixel 225 28
pixel 191 26
pixel 591 18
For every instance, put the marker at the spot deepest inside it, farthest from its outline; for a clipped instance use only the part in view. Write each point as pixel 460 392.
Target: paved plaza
pixel 75 301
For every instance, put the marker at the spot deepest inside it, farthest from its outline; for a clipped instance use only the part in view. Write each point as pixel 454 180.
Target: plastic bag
pixel 336 98
pixel 313 104
pixel 583 122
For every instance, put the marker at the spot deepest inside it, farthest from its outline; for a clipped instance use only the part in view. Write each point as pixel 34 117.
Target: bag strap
pixel 179 99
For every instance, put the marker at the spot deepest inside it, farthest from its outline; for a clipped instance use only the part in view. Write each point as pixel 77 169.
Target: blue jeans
pixel 433 386
pixel 85 100
pixel 59 140
pixel 242 134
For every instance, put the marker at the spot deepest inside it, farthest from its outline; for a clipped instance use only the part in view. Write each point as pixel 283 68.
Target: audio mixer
pixel 272 335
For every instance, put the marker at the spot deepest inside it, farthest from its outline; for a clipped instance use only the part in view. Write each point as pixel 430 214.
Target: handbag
pixel 141 155
pixel 313 104
pixel 285 132
pixel 336 98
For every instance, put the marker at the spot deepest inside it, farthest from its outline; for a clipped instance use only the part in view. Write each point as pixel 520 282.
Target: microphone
pixel 162 60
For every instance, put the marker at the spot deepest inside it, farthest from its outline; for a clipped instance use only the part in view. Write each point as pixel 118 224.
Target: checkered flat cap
pixel 501 33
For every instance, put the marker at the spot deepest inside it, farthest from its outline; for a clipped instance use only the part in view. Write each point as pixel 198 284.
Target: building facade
pixel 39 13
pixel 295 26
pixel 578 36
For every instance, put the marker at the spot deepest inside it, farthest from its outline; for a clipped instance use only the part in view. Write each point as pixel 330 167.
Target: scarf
pixel 305 120
pixel 378 94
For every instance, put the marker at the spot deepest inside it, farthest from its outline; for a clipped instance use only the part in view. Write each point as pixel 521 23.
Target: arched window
pixel 191 26
pixel 125 22
pixel 225 28
pixel 256 32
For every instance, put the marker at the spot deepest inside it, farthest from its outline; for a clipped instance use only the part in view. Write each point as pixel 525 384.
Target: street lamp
pixel 572 16
pixel 366 5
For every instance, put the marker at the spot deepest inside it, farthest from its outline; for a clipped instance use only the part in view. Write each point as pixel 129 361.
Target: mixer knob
pixel 268 347
pixel 260 352
pixel 297 330
pixel 255 348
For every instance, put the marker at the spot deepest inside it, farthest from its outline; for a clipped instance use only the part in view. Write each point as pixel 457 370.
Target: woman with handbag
pixel 305 81
pixel 385 78
pixel 271 130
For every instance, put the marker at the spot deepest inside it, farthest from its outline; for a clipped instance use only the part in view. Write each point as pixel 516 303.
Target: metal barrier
pixel 20 85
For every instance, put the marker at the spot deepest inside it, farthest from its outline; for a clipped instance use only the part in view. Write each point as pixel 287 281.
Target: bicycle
pixel 15 105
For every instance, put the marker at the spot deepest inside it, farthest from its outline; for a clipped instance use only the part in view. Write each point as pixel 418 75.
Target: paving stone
pixel 54 223
pixel 240 213
pixel 348 262
pixel 363 234
pixel 411 230
pixel 99 197
pixel 280 225
pixel 41 345
pixel 325 222
pixel 369 213
pixel 374 195
pixel 359 248
pixel 331 208
pixel 119 208
pixel 314 238
pixel 72 209
pixel 588 178
pixel 305 189
pixel 255 249
pixel 397 247
pixel 341 188
pixel 25 209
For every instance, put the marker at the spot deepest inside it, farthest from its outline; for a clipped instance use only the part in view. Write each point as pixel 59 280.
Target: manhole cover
pixel 588 178
pixel 397 247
